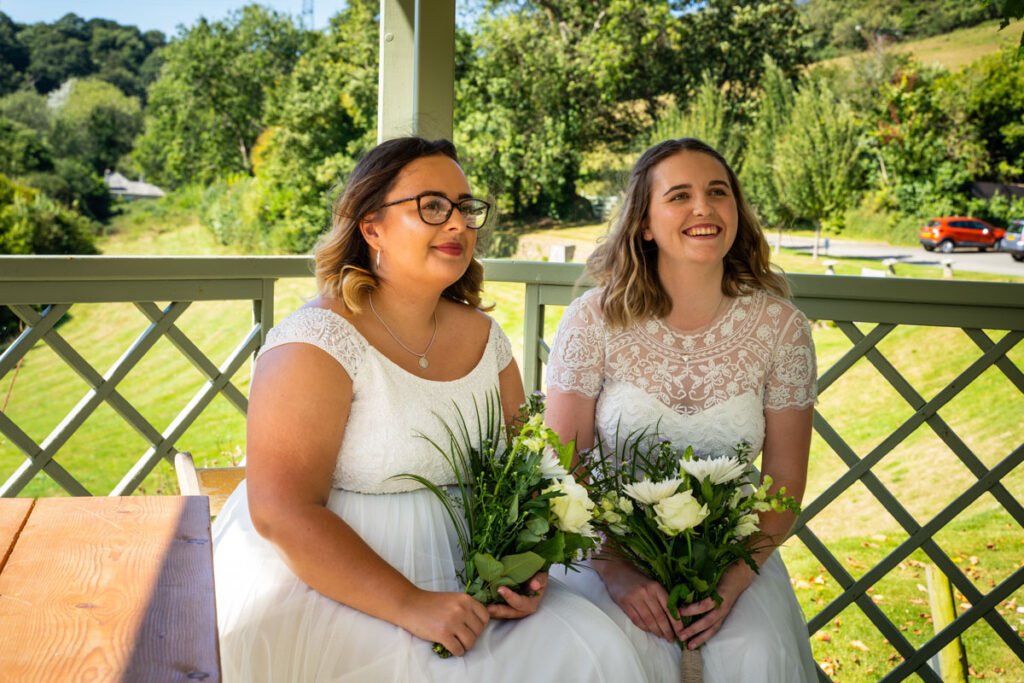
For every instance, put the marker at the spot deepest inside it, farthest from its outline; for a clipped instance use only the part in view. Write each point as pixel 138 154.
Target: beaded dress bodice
pixel 708 389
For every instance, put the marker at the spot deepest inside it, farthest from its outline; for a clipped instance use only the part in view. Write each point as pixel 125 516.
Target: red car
pixel 946 234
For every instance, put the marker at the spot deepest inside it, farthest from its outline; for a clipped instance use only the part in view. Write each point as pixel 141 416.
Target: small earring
pixel 378 259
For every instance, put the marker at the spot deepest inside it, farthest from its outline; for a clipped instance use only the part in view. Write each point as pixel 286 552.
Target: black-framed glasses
pixel 435 209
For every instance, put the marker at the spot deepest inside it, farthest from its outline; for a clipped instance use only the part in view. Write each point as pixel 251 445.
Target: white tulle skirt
pixel 763 640
pixel 273 627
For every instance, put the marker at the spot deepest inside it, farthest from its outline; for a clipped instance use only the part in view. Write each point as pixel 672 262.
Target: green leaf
pixel 538 525
pixel 679 593
pixel 513 511
pixel 552 549
pixel 522 566
pixel 487 567
pixel 527 537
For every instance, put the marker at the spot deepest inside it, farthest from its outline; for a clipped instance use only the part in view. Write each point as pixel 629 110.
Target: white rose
pixel 721 470
pixel 572 510
pixel 650 492
pixel 747 525
pixel 550 465
pixel 680 512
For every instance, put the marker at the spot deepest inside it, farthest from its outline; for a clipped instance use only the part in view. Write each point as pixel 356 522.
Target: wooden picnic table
pixel 107 589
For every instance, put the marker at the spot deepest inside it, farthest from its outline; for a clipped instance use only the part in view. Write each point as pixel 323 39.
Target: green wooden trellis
pixel 60 282
pixel 971 306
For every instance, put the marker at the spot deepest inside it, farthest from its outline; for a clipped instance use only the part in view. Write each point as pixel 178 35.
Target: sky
pixel 162 15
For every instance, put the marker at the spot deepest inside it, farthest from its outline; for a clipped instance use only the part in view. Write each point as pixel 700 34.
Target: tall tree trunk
pixel 817 238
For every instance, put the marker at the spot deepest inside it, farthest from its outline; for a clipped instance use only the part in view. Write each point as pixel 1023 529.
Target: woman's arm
pixel 787 444
pixel 644 601
pixel 298 407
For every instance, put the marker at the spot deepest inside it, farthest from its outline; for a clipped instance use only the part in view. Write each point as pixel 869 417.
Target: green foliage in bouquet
pixel 515 506
pixel 679 519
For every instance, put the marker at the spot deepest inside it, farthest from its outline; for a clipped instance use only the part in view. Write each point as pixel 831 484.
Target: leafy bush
pixel 32 223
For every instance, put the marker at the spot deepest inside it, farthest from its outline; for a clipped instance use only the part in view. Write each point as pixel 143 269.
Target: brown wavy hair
pixel 342 256
pixel 626 265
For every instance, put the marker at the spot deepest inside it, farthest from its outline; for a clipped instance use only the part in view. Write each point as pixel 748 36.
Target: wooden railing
pixel 867 311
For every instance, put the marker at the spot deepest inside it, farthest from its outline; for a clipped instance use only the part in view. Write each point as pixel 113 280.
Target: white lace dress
pixel 274 628
pixel 709 390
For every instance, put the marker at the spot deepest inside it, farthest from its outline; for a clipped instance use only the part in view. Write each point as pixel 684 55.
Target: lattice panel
pixel 885 308
pixel 102 389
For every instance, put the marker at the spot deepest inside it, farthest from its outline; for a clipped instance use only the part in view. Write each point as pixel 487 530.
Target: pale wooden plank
pixel 219 483
pixel 111 589
pixel 13 512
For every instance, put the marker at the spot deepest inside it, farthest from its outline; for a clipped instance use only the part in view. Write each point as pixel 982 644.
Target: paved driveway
pixel 999 263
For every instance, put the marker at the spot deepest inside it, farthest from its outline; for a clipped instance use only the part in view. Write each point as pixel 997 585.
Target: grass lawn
pixel 922 471
pixel 956 49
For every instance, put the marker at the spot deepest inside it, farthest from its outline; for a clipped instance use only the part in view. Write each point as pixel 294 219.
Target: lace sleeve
pixel 323 329
pixel 502 346
pixel 576 362
pixel 792 377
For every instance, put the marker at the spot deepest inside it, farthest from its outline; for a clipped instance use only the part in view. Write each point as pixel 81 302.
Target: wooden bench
pixel 216 482
pixel 107 589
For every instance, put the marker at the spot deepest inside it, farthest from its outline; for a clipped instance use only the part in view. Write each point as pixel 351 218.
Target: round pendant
pixel 424 363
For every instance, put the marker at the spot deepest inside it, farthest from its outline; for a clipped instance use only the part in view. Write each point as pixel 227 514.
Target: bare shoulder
pixel 323 303
pixel 473 322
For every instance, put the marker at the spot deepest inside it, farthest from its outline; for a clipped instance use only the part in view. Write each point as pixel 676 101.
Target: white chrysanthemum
pixel 650 492
pixel 680 512
pixel 721 470
pixel 551 466
pixel 748 524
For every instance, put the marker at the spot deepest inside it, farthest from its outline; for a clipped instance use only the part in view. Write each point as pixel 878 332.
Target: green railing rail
pixel 40 290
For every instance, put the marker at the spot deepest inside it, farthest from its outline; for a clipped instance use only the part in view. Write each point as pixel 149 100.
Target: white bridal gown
pixel 709 390
pixel 275 628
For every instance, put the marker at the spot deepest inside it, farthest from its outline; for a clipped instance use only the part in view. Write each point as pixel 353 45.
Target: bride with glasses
pixel 329 569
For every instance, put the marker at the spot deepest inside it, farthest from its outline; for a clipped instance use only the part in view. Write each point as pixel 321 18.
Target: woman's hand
pixel 520 606
pixel 644 601
pixel 736 579
pixel 454 620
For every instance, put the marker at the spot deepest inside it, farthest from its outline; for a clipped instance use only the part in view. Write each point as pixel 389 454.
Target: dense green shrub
pixel 32 223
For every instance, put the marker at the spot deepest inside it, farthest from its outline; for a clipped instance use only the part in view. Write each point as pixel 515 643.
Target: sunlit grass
pixel 953 50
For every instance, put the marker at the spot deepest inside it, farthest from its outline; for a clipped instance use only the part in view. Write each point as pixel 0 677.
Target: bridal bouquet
pixel 516 507
pixel 679 519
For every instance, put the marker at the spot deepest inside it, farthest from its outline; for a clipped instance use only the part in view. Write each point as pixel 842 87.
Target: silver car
pixel 1013 240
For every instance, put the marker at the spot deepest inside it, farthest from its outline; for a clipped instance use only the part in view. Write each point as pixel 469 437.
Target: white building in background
pixel 130 189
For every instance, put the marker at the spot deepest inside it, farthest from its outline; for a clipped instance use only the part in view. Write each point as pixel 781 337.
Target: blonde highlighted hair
pixel 343 267
pixel 626 265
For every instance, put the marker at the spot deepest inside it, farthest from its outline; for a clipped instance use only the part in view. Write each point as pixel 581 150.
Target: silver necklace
pixel 424 363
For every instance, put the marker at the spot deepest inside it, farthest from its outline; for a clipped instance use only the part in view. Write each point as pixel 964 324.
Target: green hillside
pixel 954 50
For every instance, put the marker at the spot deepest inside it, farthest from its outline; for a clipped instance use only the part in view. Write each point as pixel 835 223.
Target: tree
pixel 541 82
pixel 28 108
pixel 96 124
pixel 74 48
pixel 24 150
pixel 708 118
pixel 730 39
pixel 817 167
pixel 322 118
pixel 771 116
pixel 990 97
pixel 58 51
pixel 31 223
pixel 13 56
pixel 207 108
